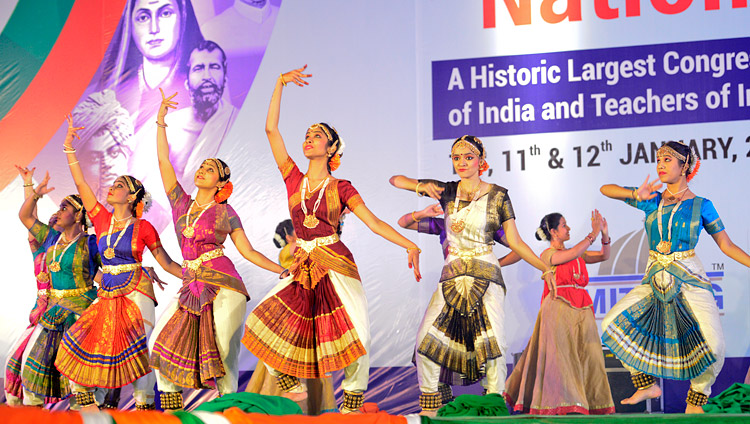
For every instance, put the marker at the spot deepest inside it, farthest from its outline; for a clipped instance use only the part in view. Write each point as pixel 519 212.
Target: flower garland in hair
pixel 223 193
pixel 483 166
pixel 335 161
pixel 540 234
pixel 280 241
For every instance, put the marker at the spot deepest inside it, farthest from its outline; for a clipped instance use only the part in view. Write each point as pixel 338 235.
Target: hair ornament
pixel 540 234
pixel 75 203
pixel 280 241
pixel 483 166
pixel 223 193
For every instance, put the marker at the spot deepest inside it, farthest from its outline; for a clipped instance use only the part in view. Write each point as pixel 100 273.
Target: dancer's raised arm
pixel 431 188
pixel 168 176
pixel 278 148
pixel 26 214
pixel 84 190
pixel 645 191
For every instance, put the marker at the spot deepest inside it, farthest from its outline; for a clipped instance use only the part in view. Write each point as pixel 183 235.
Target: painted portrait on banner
pixel 208 53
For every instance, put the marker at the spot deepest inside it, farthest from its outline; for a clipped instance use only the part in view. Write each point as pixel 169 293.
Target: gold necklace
pixel 459 224
pixel 665 246
pixel 577 274
pixel 189 230
pixel 470 193
pixel 54 265
pixel 311 221
pixel 109 252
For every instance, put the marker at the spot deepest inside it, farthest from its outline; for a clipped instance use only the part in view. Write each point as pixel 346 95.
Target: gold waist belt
pixel 470 253
pixel 194 264
pixel 120 269
pixel 667 259
pixel 43 292
pixel 309 245
pixel 60 294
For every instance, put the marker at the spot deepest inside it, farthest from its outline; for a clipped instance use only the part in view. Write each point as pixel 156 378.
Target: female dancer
pixel 198 337
pixel 669 326
pixel 320 391
pixel 315 321
pixel 562 370
pixel 430 221
pixel 463 328
pixel 72 259
pixel 13 387
pixel 108 346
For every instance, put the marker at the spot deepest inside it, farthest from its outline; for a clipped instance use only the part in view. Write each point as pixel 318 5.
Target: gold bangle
pixel 416 189
pixel 37 196
pixel 414 218
pixel 281 75
pixel 71 150
pixel 160 125
pixel 28 184
pixel 73 163
pixel 412 248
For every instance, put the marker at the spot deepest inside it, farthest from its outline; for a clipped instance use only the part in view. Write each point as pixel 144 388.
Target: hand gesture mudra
pixel 433 210
pixel 27 175
pixel 166 104
pixel 72 132
pixel 42 188
pixel 296 76
pixel 596 222
pixel 647 190
pixel 431 189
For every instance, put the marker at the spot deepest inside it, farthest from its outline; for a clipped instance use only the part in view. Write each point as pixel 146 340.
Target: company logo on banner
pixel 625 270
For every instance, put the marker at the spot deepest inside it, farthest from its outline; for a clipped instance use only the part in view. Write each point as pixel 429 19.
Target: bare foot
pixel 90 408
pixel 296 397
pixel 641 395
pixel 692 409
pixel 428 413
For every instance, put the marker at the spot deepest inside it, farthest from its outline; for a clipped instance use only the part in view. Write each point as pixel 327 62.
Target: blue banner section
pixel 662 84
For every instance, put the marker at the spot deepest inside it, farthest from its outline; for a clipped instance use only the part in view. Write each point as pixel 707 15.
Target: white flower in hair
pixel 147 201
pixel 342 146
pixel 540 233
pixel 280 240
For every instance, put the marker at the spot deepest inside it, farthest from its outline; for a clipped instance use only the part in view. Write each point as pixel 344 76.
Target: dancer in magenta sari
pixel 198 338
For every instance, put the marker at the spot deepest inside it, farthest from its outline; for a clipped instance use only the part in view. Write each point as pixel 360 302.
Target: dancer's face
pixel 119 192
pixel 316 143
pixel 562 232
pixel 156 27
pixel 207 176
pixel 669 169
pixel 67 216
pixel 465 162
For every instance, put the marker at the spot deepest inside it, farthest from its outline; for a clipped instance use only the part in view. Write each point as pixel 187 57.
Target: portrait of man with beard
pixel 196 133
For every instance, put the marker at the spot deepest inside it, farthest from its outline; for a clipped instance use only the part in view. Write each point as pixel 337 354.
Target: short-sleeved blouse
pixel 338 195
pixel 692 216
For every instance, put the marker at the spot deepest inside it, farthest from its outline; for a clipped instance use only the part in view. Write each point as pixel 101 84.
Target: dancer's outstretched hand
pixel 154 278
pixel 166 104
pixel 42 188
pixel 296 76
pixel 414 261
pixel 432 211
pixel 647 190
pixel 27 175
pixel 72 132
pixel 431 189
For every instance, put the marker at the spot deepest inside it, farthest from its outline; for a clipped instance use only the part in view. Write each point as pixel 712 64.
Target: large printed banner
pixel 566 96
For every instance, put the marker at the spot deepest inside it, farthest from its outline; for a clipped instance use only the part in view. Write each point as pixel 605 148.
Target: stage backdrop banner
pixel 566 96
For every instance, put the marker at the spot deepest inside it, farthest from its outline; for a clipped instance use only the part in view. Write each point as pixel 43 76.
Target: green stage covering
pixel 252 402
pixel 491 405
pixel 734 400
